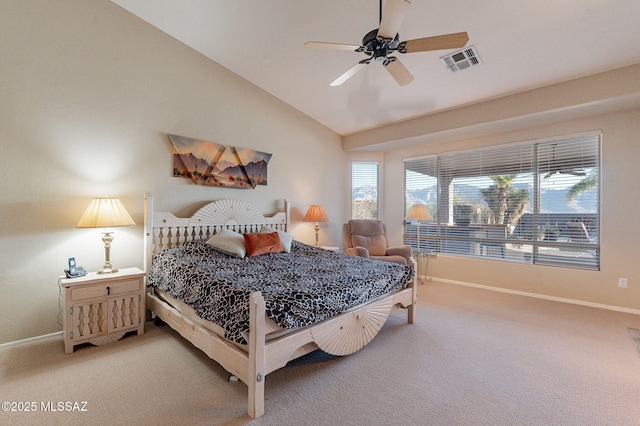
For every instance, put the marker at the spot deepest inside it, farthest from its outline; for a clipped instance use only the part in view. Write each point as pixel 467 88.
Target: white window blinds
pixel 421 187
pixel 364 190
pixel 534 202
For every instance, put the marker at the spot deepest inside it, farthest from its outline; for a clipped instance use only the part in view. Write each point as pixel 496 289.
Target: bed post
pixel 411 314
pixel 148 231
pixel 257 374
pixel 287 211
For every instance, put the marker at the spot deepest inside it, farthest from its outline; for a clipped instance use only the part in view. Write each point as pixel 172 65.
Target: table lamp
pixel 316 214
pixel 105 213
pixel 419 212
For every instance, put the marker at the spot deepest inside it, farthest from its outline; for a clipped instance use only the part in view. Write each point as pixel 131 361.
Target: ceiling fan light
pixel 380 55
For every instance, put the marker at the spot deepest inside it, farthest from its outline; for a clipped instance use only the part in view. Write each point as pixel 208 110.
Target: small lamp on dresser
pixel 106 213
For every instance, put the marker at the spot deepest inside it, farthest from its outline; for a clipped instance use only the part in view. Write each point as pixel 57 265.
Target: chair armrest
pixel 357 251
pixel 404 251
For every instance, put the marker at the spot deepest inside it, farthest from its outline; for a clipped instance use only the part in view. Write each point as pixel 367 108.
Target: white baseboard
pixel 30 340
pixel 541 296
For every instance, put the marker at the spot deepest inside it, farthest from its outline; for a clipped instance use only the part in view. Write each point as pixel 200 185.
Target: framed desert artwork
pixel 213 164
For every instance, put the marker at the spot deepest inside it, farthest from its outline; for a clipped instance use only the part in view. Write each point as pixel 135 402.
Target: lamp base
pixel 107 268
pixel 422 259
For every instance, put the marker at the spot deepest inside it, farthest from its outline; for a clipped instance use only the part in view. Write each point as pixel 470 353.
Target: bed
pixel 262 333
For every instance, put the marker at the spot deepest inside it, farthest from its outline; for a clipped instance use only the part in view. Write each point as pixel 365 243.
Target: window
pixel 364 190
pixel 421 187
pixel 535 202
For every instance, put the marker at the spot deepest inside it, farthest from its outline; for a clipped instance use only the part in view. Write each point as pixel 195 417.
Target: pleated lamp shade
pixel 105 213
pixel 418 212
pixel 316 214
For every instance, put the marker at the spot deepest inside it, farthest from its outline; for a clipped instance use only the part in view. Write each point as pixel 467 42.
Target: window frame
pixel 442 236
pixel 363 175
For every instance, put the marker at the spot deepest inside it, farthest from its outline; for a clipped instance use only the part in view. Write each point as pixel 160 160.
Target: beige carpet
pixel 635 337
pixel 474 357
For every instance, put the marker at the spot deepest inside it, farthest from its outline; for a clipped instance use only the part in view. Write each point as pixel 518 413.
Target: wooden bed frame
pixel 340 335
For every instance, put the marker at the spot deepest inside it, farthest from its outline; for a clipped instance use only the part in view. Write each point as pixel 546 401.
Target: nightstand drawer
pixel 106 289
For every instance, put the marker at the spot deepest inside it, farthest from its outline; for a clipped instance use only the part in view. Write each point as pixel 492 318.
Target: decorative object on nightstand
pixel 106 213
pixel 100 309
pixel 419 212
pixel 316 214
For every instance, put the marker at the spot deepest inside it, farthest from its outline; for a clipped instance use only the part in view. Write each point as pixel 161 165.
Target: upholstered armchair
pixel 368 238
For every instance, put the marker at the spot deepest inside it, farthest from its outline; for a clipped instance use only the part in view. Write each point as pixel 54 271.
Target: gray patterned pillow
pixel 228 242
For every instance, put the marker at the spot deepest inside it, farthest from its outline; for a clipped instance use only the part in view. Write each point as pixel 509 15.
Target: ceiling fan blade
pixel 392 17
pixel 334 46
pixel 573 172
pixel 441 42
pixel 398 71
pixel 349 73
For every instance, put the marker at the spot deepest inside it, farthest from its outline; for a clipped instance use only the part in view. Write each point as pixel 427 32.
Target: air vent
pixel 462 59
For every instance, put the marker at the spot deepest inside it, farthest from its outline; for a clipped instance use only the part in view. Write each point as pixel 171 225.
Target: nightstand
pixel 331 248
pixel 101 308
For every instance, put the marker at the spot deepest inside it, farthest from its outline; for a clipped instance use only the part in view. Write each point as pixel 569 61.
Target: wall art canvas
pixel 192 158
pixel 218 165
pixel 254 164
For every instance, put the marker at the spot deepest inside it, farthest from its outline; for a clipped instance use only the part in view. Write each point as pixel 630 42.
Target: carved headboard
pixel 163 230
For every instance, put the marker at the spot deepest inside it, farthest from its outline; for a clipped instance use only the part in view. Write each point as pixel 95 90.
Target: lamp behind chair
pixel 419 212
pixel 316 214
pixel 105 213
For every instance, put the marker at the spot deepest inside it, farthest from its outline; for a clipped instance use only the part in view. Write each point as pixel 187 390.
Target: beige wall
pixel 88 94
pixel 620 231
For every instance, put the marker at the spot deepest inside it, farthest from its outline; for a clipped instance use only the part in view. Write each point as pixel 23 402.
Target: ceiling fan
pixel 380 43
pixel 557 167
pixel 573 172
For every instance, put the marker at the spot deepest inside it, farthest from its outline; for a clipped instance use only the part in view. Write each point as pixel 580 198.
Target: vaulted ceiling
pixel 522 44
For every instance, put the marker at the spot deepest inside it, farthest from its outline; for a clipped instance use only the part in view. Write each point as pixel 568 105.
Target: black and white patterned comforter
pixel 300 288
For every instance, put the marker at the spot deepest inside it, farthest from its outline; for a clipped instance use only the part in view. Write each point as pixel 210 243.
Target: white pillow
pixel 285 239
pixel 228 242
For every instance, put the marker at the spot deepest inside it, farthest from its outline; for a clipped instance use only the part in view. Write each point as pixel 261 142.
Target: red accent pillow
pixel 258 244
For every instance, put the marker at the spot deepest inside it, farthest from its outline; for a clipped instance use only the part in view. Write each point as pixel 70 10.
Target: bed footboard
pixel 248 367
pixel 230 357
pixel 265 357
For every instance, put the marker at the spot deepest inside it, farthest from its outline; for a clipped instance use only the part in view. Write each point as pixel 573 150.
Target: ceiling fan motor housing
pixel 378 48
